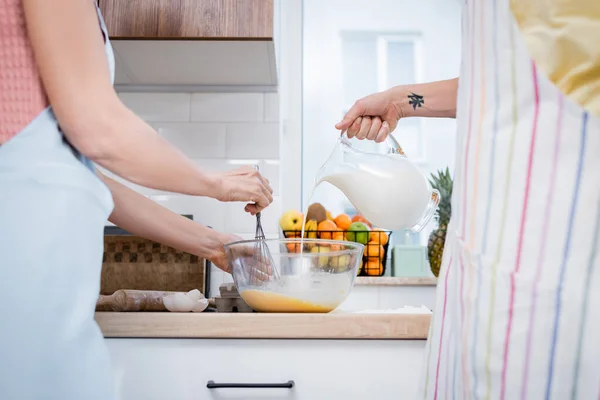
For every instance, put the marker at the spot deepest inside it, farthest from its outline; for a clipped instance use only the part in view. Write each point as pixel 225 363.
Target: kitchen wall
pixel 219 131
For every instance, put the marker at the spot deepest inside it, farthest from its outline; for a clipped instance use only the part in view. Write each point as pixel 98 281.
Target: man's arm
pixel 374 117
pixel 433 100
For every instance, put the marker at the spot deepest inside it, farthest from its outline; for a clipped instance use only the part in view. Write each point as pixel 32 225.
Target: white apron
pixel 53 209
pixel 518 296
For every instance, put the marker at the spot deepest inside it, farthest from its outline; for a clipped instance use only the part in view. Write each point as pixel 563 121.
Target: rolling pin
pixel 132 300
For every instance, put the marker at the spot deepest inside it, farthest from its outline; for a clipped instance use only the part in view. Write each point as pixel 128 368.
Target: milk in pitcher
pixel 387 189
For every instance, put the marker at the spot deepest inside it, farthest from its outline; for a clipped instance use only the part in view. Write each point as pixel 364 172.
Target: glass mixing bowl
pixel 305 275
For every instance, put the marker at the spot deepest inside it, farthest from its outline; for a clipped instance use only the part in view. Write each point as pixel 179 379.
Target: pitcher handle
pixel 393 145
pixel 430 210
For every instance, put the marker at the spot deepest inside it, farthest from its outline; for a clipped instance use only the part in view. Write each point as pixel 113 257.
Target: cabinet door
pixel 191 19
pixel 179 369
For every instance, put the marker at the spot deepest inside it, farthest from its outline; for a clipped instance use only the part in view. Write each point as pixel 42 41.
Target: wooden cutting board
pixel 132 300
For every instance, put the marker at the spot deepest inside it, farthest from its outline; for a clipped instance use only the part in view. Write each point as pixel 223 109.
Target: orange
pixel 378 236
pixel 292 234
pixel 326 229
pixel 343 222
pixel 373 268
pixel 360 218
pixel 293 247
pixel 374 250
pixel 338 235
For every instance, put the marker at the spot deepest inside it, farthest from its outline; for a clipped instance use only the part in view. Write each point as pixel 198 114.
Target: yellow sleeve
pixel 563 37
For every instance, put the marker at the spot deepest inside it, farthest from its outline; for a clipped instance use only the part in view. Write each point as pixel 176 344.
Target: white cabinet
pixel 179 369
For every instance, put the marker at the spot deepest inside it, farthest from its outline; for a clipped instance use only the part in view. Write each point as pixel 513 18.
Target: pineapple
pixel 435 248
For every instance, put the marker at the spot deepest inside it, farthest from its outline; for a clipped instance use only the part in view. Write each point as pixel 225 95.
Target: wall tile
pixel 195 140
pixel 206 211
pixel 272 107
pixel 159 106
pixel 271 171
pixel 227 107
pixel 253 141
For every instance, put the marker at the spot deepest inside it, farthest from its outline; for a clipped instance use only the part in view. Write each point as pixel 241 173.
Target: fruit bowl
pixel 307 275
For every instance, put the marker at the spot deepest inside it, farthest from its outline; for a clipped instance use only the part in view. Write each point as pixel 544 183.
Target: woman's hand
pixel 219 258
pixel 373 117
pixel 244 253
pixel 244 185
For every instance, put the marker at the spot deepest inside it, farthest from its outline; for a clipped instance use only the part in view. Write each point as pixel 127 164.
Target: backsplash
pixel 219 131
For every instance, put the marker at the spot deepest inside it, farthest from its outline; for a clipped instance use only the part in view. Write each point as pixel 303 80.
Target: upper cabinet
pixel 189 19
pixel 192 42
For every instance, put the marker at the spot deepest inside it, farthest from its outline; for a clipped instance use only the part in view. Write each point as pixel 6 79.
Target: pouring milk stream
pixel 387 189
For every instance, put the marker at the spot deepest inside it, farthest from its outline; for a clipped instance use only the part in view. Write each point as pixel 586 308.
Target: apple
pixel 291 221
pixel 358 232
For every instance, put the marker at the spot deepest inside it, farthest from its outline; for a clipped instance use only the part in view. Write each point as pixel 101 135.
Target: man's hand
pixel 373 117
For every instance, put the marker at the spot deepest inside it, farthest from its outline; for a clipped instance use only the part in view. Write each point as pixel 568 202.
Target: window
pixel 373 62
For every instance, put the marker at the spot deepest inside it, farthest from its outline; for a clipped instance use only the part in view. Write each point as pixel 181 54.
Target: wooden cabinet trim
pixel 189 19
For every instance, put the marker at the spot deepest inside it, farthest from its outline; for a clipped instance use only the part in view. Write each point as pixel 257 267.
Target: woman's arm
pixel 376 116
pixel 69 49
pixel 143 217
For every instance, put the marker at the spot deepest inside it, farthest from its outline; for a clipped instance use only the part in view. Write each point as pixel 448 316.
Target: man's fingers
pixel 375 127
pixel 383 133
pixel 354 128
pixel 353 113
pixel 365 127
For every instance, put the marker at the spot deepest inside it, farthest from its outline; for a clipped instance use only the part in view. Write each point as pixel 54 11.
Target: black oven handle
pixel 214 385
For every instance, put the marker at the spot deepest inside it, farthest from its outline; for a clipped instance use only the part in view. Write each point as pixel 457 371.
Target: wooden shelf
pixel 395 281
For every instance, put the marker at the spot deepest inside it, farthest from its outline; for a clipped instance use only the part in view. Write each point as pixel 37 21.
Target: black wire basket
pixel 375 255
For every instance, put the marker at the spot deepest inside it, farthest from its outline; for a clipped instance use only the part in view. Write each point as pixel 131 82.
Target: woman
pixel 519 286
pixel 58 115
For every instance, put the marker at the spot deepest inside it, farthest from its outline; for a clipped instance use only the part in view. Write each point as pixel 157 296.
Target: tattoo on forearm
pixel 416 100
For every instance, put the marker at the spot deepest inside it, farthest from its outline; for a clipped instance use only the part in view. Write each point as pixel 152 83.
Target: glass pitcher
pixel 387 189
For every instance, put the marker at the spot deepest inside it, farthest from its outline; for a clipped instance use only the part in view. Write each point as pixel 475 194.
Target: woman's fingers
pixel 248 185
pixel 266 183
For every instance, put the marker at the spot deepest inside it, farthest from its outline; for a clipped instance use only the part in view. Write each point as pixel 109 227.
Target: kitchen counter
pixel 395 281
pixel 336 325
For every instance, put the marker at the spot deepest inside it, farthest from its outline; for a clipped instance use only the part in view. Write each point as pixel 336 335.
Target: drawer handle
pixel 214 385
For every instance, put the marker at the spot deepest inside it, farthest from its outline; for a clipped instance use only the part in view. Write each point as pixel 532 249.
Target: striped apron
pixel 53 209
pixel 519 290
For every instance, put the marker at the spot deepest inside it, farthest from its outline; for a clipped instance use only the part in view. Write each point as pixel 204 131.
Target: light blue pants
pixel 52 214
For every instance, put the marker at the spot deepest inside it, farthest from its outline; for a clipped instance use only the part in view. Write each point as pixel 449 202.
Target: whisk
pixel 264 266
